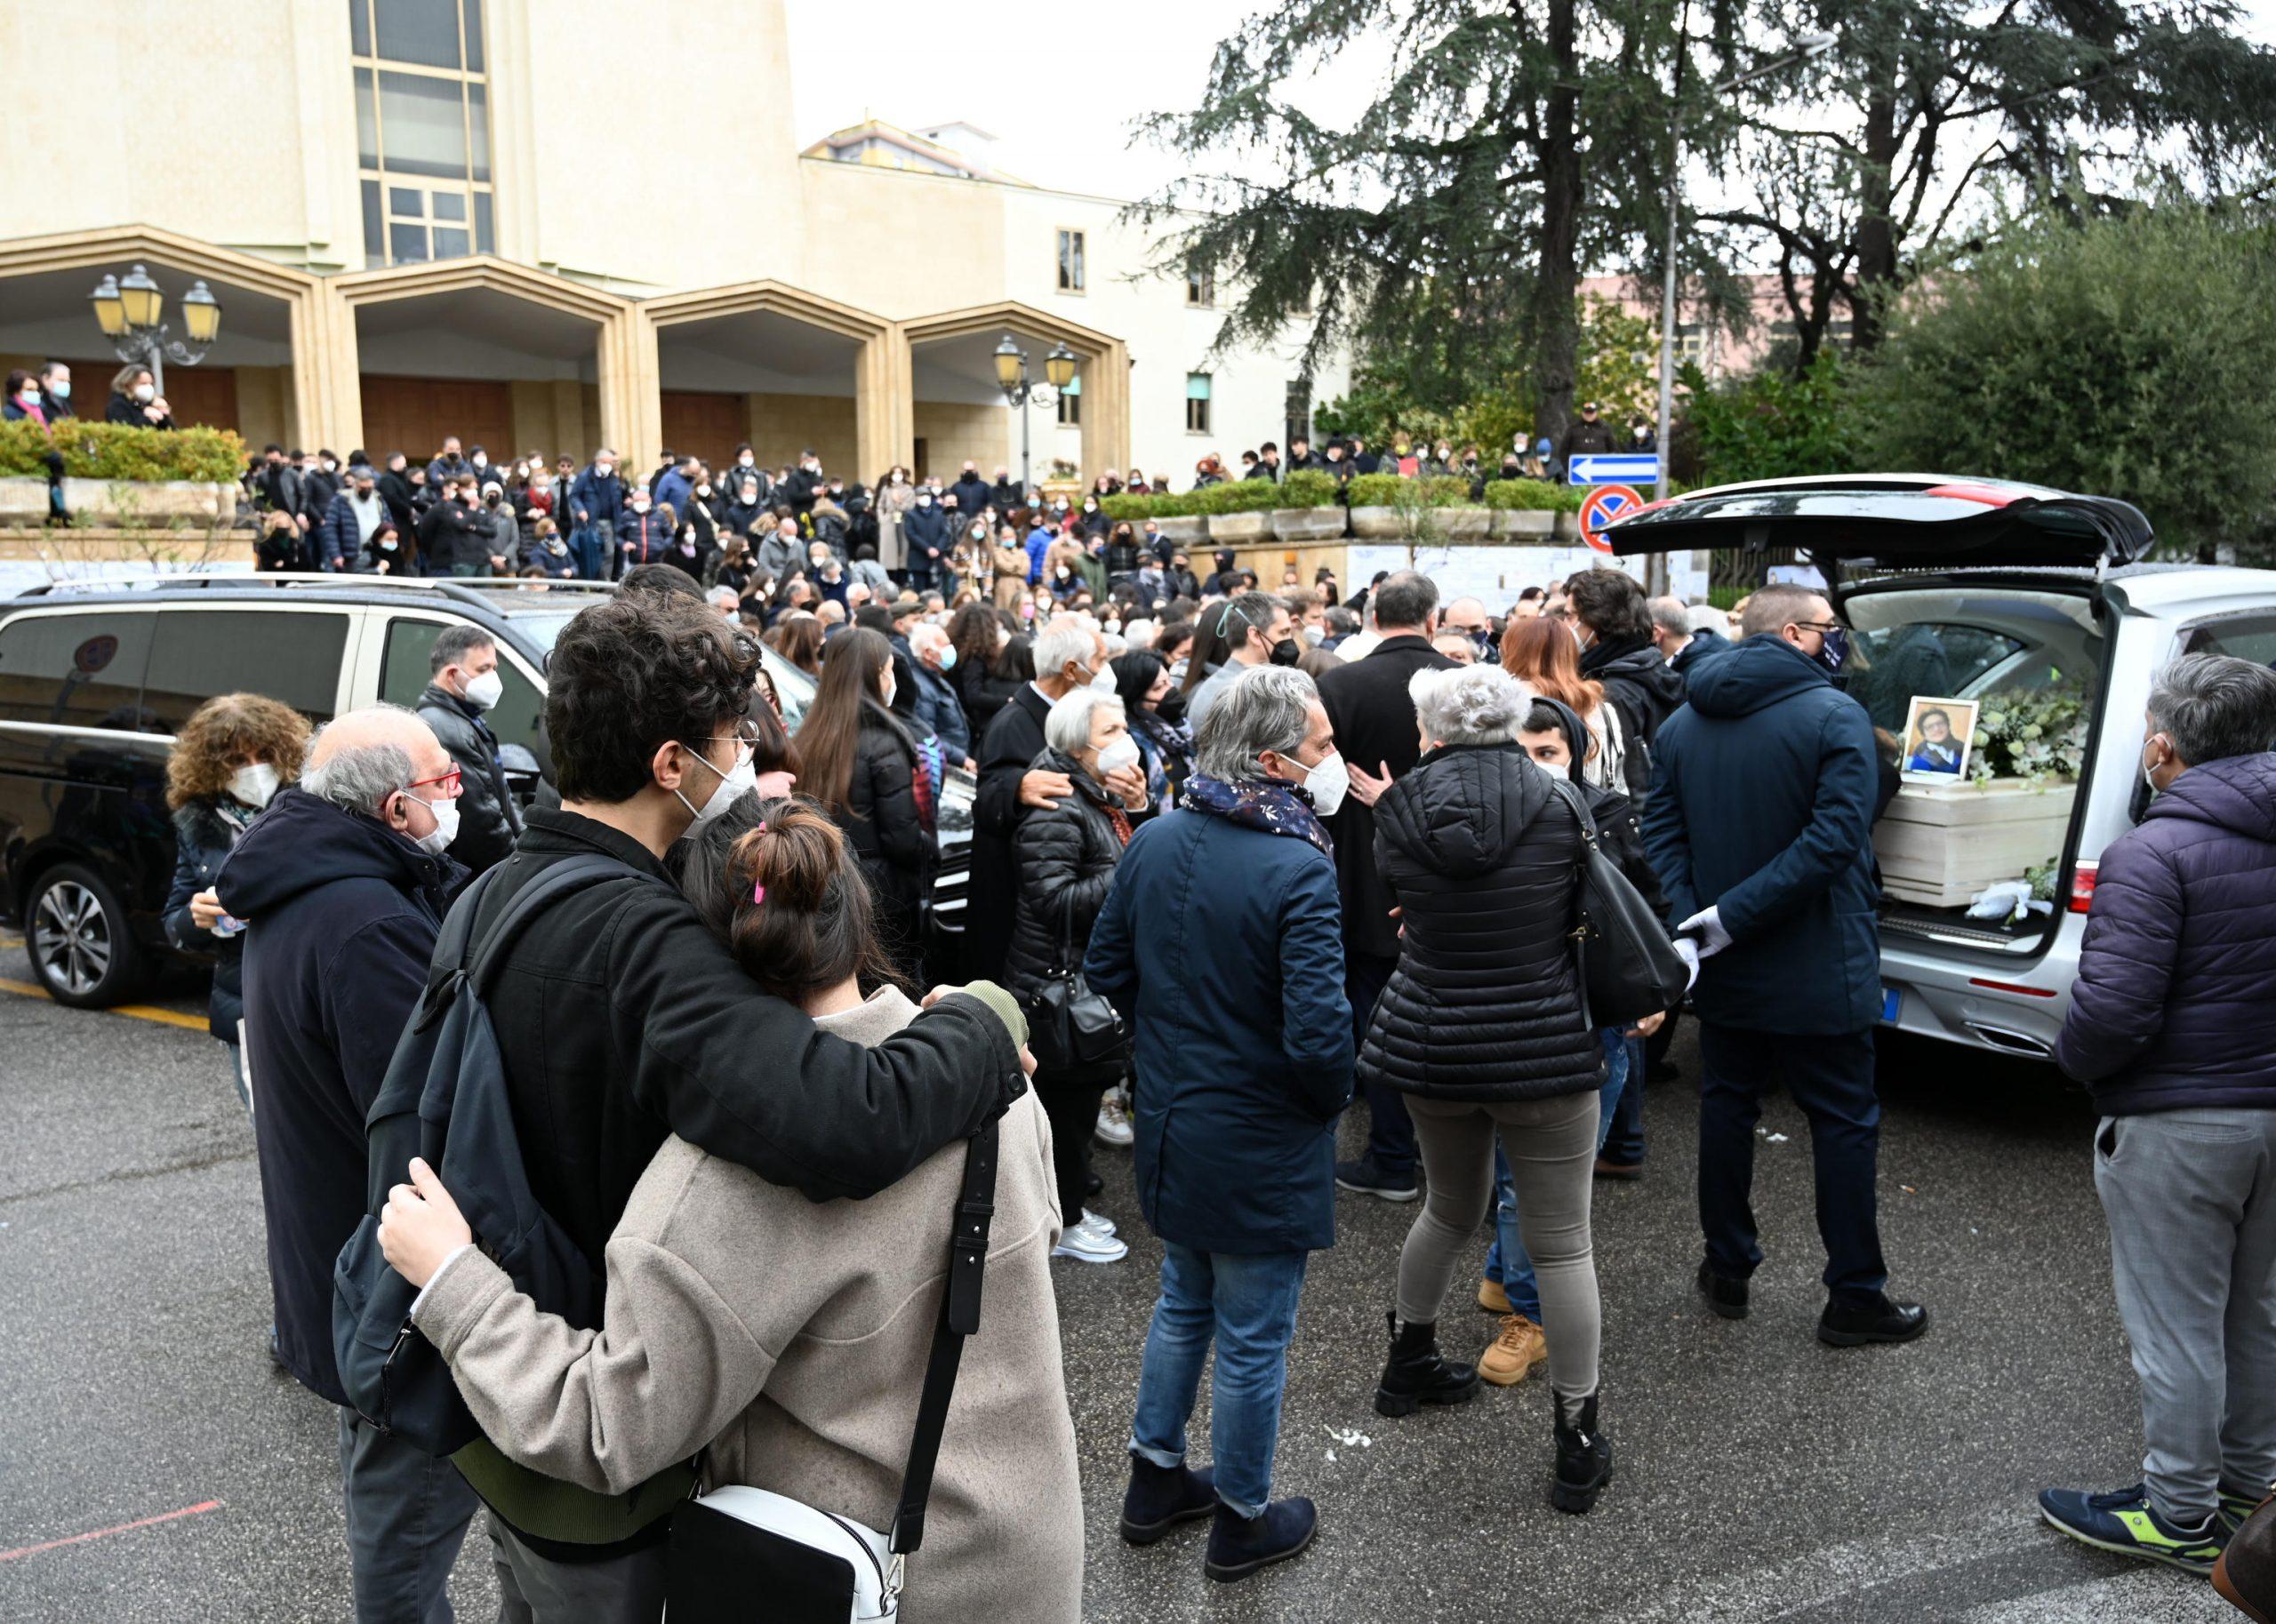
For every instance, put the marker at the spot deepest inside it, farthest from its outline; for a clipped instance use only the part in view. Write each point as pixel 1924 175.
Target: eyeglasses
pixel 448 783
pixel 1819 626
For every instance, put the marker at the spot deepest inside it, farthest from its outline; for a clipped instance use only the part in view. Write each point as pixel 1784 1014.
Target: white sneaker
pixel 1088 1246
pixel 1114 1123
pixel 1097 1223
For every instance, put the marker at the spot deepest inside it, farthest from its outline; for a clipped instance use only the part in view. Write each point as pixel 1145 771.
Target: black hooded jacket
pixel 341 916
pixel 1482 856
pixel 1646 691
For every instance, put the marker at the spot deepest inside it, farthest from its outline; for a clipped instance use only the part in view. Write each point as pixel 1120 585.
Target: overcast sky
pixel 915 62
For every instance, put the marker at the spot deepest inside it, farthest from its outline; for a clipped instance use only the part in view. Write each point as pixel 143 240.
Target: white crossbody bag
pixel 741 1555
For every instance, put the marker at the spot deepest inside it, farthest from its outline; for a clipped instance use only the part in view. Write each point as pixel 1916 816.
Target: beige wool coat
pixel 787 1340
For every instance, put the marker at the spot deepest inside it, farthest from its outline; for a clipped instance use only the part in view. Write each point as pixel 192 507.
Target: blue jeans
pixel 1507 1262
pixel 1391 1133
pixel 1248 1302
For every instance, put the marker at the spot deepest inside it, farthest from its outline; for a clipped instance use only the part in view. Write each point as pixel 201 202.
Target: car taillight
pixel 2082 884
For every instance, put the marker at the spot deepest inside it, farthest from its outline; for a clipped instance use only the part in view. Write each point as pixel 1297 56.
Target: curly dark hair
pixel 1610 603
pixel 631 675
pixel 221 733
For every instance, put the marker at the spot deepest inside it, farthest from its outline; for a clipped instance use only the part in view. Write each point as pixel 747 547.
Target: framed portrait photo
pixel 1937 739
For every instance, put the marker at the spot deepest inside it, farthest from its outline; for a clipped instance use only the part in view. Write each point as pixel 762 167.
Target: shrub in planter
pixel 1308 488
pixel 121 450
pixel 1533 496
pixel 1137 509
pixel 1238 496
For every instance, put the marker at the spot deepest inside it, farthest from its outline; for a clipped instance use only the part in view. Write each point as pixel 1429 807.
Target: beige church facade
pixel 424 217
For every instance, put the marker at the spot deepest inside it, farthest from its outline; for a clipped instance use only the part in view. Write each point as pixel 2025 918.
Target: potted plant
pixel 1534 510
pixel 1308 511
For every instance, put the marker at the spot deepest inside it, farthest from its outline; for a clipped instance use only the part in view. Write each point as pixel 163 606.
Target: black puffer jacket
pixel 1066 856
pixel 1482 858
pixel 881 819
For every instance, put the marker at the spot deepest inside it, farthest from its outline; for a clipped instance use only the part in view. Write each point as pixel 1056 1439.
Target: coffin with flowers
pixel 1941 843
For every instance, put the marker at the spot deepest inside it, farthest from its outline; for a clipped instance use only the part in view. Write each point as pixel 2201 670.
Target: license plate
pixel 1889 1001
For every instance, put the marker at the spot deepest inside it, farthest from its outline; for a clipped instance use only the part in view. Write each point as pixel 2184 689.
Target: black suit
pixel 1014 740
pixel 1367 704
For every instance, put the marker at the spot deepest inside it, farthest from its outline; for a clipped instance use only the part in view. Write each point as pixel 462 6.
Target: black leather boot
pixel 1415 1375
pixel 1583 1455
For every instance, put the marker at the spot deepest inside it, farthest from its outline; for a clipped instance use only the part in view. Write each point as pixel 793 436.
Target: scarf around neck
pixel 1258 803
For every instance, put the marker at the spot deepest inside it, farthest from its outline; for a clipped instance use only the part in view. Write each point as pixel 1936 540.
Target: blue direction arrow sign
pixel 1624 468
pixel 1605 504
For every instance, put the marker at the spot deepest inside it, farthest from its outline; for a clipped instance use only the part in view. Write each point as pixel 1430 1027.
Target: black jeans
pixel 1391 1133
pixel 1072 1110
pixel 1832 1079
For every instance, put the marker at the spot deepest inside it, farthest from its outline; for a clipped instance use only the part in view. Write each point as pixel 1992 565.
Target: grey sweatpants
pixel 406 1514
pixel 1551 1147
pixel 2191 1197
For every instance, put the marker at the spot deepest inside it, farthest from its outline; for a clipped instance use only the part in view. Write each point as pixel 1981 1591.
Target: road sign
pixel 1605 504
pixel 1628 468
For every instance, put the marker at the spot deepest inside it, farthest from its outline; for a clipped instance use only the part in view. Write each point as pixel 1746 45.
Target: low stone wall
pixel 113 502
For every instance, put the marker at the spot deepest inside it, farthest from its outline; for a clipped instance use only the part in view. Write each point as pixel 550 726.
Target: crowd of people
pixel 1240 858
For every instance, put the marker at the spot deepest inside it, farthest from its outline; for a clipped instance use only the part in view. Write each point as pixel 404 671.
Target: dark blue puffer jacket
pixel 2170 1008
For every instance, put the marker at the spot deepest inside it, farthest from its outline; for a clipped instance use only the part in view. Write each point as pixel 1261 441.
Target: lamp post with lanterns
pixel 1019 389
pixel 130 310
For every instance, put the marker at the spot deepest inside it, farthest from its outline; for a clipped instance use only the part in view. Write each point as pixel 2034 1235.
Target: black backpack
pixel 444 1099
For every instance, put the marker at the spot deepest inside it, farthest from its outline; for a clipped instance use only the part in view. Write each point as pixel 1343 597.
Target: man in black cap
pixel 1588 437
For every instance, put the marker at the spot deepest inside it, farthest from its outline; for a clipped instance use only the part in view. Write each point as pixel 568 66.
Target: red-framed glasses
pixel 448 780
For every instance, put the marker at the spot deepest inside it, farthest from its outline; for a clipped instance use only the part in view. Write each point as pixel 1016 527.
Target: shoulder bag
pixel 1076 1033
pixel 740 1553
pixel 1629 968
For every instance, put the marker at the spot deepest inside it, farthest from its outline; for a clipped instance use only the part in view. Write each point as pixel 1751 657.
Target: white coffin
pixel 1939 845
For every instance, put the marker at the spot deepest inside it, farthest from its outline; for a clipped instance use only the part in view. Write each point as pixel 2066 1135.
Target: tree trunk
pixel 1876 225
pixel 1557 311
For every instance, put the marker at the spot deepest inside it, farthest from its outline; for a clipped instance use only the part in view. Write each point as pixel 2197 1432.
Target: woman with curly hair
pixel 232 756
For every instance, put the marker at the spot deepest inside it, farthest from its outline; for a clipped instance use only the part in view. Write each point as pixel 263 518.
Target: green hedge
pixel 120 450
pixel 1396 490
pixel 1533 496
pixel 1309 488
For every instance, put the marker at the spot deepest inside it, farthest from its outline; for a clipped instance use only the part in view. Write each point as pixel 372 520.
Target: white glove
pixel 1707 923
pixel 1687 950
pixel 2005 900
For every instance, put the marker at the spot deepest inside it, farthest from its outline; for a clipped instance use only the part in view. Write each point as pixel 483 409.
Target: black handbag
pixel 1629 967
pixel 739 1553
pixel 1075 1033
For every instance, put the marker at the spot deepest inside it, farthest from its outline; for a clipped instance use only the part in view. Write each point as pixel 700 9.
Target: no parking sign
pixel 1605 504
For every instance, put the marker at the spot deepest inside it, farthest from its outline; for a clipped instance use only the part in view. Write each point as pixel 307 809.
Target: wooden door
pixel 706 426
pixel 412 415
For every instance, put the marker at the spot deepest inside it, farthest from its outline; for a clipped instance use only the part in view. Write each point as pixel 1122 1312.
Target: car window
pixel 2247 636
pixel 517 718
pixel 1922 657
pixel 290 655
pixel 76 670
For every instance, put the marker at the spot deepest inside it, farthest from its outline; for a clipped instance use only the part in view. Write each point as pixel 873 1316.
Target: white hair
pixel 1706 617
pixel 1139 634
pixel 1062 639
pixel 1264 708
pixel 359 778
pixel 724 598
pixel 1469 704
pixel 1067 729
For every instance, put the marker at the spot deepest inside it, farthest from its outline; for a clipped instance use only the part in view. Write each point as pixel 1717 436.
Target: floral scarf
pixel 1258 803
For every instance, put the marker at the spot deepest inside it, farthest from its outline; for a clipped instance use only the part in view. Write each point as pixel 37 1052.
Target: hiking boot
pixel 1493 1299
pixel 1088 1246
pixel 1415 1375
pixel 1510 1358
pixel 1240 1545
pixel 1363 1178
pixel 1725 1295
pixel 2125 1521
pixel 1583 1455
pixel 1883 1320
pixel 1161 1496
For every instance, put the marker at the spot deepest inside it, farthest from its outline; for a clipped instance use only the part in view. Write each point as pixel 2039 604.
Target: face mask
pixel 1286 652
pixel 144 393
pixel 1122 753
pixel 480 461
pixel 387 545
pixel 889 688
pixel 949 659
pixel 2150 774
pixel 924 499
pixel 253 786
pixel 1835 650
pixel 1065 574
pixel 1090 507
pixel 330 466
pixel 745 461
pixel 787 536
pixel 1103 679
pixel 604 468
pixel 1327 780
pixel 1315 634
pixel 731 788
pixel 61 391
pixel 437 840
pixel 640 506
pixel 485 690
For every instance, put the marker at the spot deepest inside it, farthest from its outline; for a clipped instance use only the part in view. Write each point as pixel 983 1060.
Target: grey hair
pixel 1067 729
pixel 2213 707
pixel 359 778
pixel 1480 704
pixel 724 598
pixel 1063 639
pixel 1670 615
pixel 1266 707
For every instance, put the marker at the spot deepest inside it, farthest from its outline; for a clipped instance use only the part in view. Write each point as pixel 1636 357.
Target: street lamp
pixel 128 309
pixel 1019 389
pixel 1808 46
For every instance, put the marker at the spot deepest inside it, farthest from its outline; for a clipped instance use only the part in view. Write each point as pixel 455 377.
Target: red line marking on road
pixel 101 1533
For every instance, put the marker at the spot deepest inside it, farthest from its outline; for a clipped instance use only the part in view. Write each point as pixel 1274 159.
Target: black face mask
pixel 1172 710
pixel 1287 651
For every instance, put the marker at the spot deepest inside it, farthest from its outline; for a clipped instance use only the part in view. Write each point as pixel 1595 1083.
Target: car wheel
pixel 76 934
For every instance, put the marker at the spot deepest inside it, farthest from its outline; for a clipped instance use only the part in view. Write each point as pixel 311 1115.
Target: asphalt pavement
pixel 154 1466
